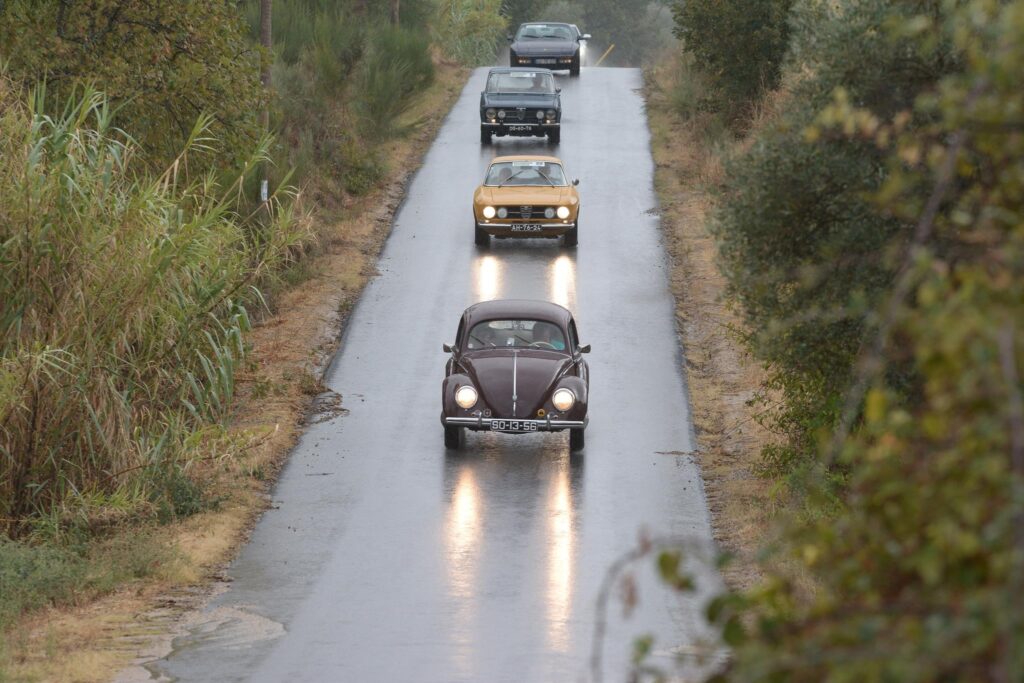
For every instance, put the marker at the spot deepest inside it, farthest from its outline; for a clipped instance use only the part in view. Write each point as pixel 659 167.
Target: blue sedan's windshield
pixel 544 32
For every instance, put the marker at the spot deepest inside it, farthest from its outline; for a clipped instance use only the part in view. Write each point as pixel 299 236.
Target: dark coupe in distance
pixel 550 45
pixel 522 102
pixel 516 367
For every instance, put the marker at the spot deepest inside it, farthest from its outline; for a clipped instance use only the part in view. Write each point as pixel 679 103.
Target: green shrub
pixel 123 317
pixel 162 64
pixel 470 30
pixel 739 43
pixel 397 67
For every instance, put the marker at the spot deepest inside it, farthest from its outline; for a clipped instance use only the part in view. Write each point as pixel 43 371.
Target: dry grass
pixel 291 348
pixel 722 377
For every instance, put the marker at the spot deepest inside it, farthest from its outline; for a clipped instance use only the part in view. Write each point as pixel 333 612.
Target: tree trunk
pixel 394 11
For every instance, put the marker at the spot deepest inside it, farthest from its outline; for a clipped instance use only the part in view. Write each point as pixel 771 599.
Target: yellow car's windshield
pixel 513 173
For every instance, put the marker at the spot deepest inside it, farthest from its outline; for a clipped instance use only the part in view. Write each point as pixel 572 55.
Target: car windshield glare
pixel 515 334
pixel 544 32
pixel 522 82
pixel 512 173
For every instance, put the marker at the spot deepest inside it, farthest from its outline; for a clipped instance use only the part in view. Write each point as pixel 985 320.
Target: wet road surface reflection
pixel 387 557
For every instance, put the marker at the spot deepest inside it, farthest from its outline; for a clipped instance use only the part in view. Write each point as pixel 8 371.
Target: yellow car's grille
pixel 528 212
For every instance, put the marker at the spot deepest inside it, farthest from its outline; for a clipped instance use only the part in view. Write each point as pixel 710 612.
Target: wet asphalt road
pixel 388 558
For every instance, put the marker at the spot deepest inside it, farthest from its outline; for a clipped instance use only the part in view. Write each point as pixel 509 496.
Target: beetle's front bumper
pixel 504 228
pixel 514 426
pixel 520 128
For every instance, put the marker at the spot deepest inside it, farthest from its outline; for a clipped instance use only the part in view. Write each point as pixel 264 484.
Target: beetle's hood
pixel 520 195
pixel 497 100
pixel 536 372
pixel 529 48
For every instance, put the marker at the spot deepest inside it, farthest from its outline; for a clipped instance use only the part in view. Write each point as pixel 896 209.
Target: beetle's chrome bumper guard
pixel 543 424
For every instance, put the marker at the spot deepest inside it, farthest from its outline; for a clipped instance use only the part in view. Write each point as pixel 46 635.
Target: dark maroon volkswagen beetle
pixel 516 367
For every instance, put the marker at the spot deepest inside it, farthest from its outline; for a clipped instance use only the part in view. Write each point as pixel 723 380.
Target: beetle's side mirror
pixel 585 348
pixel 575 181
pixel 447 348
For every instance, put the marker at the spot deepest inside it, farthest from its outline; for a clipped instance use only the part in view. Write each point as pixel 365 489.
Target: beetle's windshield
pixel 510 173
pixel 544 32
pixel 521 82
pixel 515 334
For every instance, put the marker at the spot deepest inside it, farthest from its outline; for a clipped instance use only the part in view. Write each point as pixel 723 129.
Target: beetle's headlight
pixel 562 399
pixel 549 212
pixel 551 114
pixel 489 212
pixel 502 212
pixel 466 397
pixel 563 212
pixel 501 113
pixel 491 113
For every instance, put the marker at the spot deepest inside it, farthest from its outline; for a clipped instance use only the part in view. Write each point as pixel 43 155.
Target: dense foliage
pixel 164 64
pixel 470 30
pixel 873 236
pixel 739 44
pixel 122 318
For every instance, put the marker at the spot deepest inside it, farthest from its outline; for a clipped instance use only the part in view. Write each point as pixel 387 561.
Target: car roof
pixel 509 69
pixel 526 157
pixel 544 23
pixel 529 309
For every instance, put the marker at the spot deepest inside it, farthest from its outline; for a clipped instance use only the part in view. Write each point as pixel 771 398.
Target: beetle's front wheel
pixel 576 439
pixel 452 437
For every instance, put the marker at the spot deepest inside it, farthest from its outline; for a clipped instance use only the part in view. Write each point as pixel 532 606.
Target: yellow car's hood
pixel 526 195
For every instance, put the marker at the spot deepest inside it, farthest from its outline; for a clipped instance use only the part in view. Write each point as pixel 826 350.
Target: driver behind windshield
pixel 547 336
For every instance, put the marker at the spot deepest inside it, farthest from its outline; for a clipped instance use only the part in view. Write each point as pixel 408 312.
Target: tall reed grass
pixel 122 312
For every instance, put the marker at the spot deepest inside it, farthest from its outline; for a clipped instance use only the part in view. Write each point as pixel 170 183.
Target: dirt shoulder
pixel 281 385
pixel 721 377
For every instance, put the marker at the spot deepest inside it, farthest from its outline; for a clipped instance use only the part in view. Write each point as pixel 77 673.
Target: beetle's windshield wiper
pixel 473 336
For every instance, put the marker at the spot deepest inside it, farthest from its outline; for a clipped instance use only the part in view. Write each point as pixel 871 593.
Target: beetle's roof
pixel 508 309
pixel 525 157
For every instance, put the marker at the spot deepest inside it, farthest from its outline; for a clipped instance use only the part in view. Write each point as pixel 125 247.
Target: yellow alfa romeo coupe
pixel 526 196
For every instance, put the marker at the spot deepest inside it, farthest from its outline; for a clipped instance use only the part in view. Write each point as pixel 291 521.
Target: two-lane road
pixel 388 558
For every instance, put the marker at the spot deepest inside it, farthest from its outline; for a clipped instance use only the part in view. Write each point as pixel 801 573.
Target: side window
pixel 574 340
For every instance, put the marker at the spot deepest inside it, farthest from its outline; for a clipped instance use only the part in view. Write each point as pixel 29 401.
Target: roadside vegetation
pixel 864 167
pixel 137 263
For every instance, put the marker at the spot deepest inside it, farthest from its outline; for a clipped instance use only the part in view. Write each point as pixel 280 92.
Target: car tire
pixel 572 237
pixel 555 136
pixel 574 68
pixel 576 439
pixel 485 136
pixel 481 237
pixel 452 437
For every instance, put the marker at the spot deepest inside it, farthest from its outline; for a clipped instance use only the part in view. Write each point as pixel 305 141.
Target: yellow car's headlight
pixel 466 397
pixel 563 212
pixel 563 399
pixel 489 212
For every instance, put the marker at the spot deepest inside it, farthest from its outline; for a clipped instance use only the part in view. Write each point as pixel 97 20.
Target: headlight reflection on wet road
pixel 488 278
pixel 562 281
pixel 561 558
pixel 462 540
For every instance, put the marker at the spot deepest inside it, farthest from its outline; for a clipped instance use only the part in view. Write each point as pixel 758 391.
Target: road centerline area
pixel 415 563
